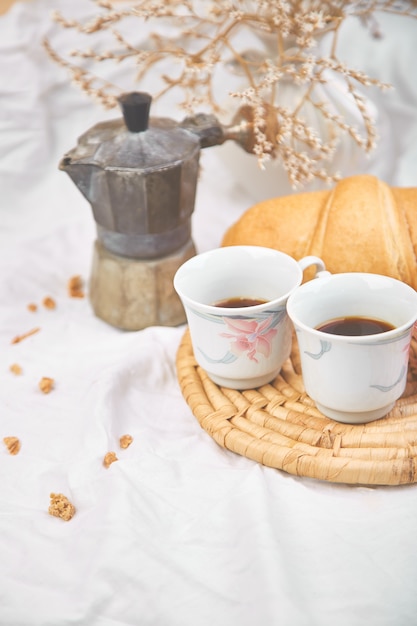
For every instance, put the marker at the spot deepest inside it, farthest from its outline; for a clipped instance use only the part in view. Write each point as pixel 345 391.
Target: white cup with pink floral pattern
pixel 235 300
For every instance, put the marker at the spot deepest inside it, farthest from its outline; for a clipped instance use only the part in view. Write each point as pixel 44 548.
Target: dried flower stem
pixel 205 35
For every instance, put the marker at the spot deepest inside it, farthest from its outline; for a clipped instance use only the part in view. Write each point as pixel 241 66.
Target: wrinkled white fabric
pixel 178 532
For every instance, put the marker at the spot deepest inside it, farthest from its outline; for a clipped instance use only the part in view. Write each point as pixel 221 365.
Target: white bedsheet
pixel 178 532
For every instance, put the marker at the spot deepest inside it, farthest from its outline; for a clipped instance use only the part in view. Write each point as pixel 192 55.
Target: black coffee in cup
pixel 235 303
pixel 355 326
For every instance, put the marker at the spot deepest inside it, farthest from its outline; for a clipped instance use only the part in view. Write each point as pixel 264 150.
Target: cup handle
pixel 307 261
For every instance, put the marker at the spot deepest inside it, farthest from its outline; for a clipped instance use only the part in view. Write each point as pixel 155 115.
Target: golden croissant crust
pixel 362 224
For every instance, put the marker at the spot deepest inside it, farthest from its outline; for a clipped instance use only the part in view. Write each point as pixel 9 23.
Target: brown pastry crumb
pixel 61 507
pixel 32 307
pixel 46 384
pixel 16 369
pixel 49 303
pixel 109 458
pixel 75 287
pixel 28 334
pixel 12 444
pixel 125 441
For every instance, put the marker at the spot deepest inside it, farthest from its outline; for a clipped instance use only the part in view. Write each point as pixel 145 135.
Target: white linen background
pixel 178 532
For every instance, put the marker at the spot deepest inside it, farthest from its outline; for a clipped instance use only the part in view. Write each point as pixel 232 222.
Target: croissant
pixel 361 225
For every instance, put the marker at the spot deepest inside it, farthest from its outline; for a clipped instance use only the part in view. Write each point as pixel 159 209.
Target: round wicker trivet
pixel 279 426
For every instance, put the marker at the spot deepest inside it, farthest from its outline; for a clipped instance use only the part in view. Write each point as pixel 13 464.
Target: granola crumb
pixel 16 369
pixel 61 507
pixel 125 441
pixel 19 338
pixel 12 444
pixel 32 307
pixel 76 287
pixel 109 458
pixel 49 303
pixel 46 384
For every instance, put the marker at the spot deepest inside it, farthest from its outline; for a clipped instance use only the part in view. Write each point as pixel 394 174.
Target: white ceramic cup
pixel 242 347
pixel 354 379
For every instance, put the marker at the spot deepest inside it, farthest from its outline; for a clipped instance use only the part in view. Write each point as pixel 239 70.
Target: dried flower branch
pixel 184 43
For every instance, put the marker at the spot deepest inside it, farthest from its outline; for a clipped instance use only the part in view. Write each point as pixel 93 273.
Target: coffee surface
pixel 234 303
pixel 355 326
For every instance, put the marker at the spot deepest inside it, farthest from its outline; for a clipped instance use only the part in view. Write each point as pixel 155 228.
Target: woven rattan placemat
pixel 279 426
